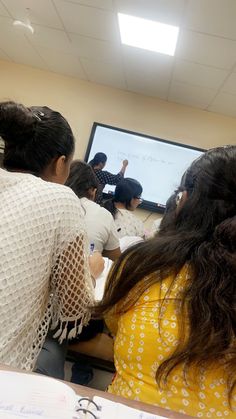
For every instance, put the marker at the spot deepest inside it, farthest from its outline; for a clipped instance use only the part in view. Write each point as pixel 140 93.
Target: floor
pixel 101 379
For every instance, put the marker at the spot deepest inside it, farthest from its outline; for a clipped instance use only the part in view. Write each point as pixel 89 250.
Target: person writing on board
pixel 104 177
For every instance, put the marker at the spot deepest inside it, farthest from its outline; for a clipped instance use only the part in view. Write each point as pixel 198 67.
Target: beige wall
pixel 83 103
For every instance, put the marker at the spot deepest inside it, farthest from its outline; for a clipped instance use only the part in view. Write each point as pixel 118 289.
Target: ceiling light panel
pixel 148 34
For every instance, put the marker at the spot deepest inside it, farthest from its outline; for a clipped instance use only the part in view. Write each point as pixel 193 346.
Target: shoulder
pixel 105 213
pixel 57 200
pixel 66 213
pixel 95 208
pixel 102 173
pixel 123 213
pixel 59 194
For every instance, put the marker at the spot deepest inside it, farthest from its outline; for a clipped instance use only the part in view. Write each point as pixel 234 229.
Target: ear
pixel 59 165
pixel 181 200
pixel 92 193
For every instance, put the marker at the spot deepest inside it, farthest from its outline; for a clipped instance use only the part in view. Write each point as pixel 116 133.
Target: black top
pixel 105 178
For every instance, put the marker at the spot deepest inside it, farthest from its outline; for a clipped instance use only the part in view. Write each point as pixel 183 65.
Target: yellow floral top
pixel 144 337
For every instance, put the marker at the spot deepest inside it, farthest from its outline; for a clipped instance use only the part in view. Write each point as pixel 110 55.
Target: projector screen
pixel 157 164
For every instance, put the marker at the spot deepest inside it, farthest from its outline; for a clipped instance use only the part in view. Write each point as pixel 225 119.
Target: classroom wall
pixel 83 102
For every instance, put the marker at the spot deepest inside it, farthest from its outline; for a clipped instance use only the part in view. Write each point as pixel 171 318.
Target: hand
pixel 125 163
pixel 96 264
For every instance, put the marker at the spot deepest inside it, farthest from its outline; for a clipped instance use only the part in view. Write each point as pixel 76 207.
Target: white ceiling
pixel 80 38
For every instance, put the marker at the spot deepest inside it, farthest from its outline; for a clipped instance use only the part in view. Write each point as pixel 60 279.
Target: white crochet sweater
pixel 44 273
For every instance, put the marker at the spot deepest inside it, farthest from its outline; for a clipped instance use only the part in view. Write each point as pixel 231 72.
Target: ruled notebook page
pixel 34 396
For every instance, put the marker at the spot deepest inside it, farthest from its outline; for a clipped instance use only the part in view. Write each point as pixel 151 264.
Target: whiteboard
pixel 157 164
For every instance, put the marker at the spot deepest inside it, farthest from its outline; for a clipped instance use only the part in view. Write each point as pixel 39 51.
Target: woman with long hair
pixel 103 176
pixel 99 222
pixel 126 199
pixel 44 268
pixel 171 301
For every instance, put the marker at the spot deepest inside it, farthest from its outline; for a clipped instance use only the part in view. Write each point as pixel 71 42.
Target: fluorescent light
pixel 148 34
pixel 24 25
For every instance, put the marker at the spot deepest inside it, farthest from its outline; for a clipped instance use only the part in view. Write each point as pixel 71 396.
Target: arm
pixel 71 285
pixel 110 179
pixel 124 166
pixel 96 264
pixel 72 289
pixel 112 245
pixel 112 254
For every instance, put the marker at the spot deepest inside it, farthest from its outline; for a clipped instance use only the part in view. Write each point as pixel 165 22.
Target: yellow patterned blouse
pixel 144 337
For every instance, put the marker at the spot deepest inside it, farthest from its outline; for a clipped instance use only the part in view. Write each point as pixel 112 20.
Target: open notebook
pixel 33 396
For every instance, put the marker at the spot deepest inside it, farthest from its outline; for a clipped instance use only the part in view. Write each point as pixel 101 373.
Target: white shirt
pixel 44 273
pixel 100 226
pixel 156 225
pixel 127 224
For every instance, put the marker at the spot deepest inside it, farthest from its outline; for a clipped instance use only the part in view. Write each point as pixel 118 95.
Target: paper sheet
pixel 112 410
pixel 101 280
pixel 34 396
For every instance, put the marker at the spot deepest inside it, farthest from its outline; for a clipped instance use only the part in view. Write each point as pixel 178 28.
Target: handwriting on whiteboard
pixel 121 155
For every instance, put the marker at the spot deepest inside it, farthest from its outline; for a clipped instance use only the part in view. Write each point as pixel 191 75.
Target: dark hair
pixel 98 158
pixel 202 234
pixel 169 215
pixel 33 136
pixel 81 178
pixel 125 191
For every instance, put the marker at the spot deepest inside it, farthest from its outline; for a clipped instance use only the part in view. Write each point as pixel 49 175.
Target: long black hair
pixel 33 136
pixel 98 158
pixel 125 191
pixel 202 234
pixel 81 178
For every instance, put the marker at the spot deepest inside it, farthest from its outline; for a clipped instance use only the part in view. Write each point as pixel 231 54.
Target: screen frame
pixel 146 205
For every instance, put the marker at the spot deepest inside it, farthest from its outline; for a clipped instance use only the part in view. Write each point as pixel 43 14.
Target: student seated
pixel 100 225
pixel 171 301
pixel 127 198
pixel 44 266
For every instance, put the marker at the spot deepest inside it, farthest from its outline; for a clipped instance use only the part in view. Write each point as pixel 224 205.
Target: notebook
pixel 29 396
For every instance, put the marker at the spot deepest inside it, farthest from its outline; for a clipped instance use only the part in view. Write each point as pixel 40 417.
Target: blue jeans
pixel 51 359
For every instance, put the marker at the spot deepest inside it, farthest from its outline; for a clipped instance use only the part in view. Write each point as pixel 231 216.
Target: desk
pixel 90 392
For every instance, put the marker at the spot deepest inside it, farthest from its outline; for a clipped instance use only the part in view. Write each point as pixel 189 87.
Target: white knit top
pixel 127 224
pixel 44 273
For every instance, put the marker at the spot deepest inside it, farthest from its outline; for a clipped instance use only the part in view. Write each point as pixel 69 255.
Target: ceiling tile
pixel 100 4
pixel 224 103
pixel 166 11
pixel 50 38
pixel 147 72
pixel 215 17
pixel 230 85
pixel 104 73
pixel 95 48
pixel 207 50
pixel 62 63
pixel 41 11
pixel 16 46
pixel 199 75
pixel 187 94
pixel 88 21
pixel 3 10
